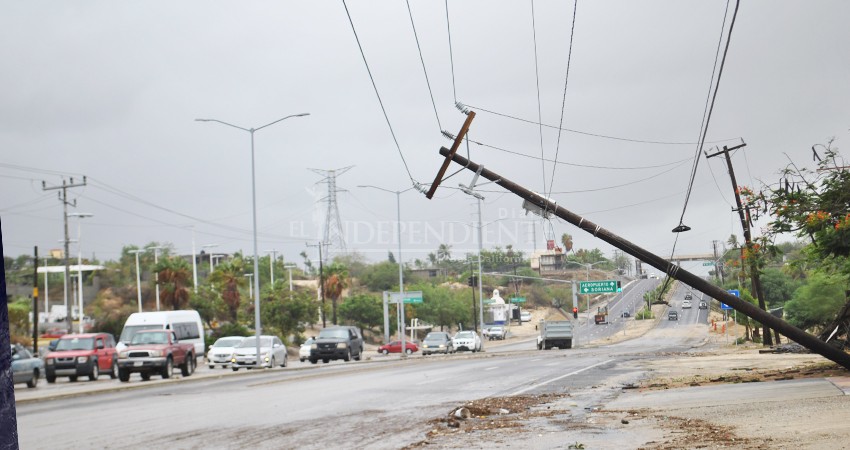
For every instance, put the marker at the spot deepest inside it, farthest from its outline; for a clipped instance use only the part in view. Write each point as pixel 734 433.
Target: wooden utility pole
pixel 63 197
pixel 744 215
pixel 35 301
pixel 322 283
pixel 672 270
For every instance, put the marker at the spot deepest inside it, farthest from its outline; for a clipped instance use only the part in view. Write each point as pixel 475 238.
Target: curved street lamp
pixel 251 131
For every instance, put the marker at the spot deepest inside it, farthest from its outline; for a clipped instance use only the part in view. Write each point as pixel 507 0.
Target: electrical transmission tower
pixel 332 235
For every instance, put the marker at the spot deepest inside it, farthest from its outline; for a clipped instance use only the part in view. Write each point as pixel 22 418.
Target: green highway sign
pixel 488 301
pixel 708 263
pixel 597 287
pixel 518 300
pixel 409 297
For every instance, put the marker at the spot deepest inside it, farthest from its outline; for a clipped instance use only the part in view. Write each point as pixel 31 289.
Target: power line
pixel 422 59
pixel 564 99
pixel 707 109
pixel 377 94
pixel 587 133
pixel 539 108
pixel 451 56
pixel 525 155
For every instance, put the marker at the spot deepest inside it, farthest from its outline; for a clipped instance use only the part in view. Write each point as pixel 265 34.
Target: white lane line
pixel 534 386
pixel 538 359
pixel 492 368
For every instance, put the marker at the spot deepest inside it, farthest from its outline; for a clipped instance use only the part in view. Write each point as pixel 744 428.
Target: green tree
pixel 443 307
pixel 287 312
pixel 567 242
pixel 174 278
pixel 778 287
pixel 815 303
pixel 336 281
pixel 363 310
pixel 382 276
pixel 228 277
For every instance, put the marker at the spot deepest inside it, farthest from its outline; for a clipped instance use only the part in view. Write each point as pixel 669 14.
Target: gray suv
pixel 338 342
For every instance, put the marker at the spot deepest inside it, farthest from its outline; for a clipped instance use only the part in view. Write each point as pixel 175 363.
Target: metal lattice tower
pixel 332 234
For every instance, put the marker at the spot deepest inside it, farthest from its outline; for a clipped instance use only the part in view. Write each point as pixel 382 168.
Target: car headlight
pixel 342 345
pixel 233 360
pixel 122 355
pixel 49 361
pixel 442 345
pixel 82 359
pixel 156 353
pixel 314 346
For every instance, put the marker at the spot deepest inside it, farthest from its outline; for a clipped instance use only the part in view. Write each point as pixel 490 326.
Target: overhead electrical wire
pixel 709 106
pixel 564 98
pixel 591 166
pixel 451 55
pixel 422 59
pixel 587 133
pixel 539 107
pixel 377 94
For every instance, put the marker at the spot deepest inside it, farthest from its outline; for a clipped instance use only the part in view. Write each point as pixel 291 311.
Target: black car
pixel 672 315
pixel 345 343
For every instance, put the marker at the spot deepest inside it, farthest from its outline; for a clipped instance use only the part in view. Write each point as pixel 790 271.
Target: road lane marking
pixel 526 389
pixel 492 368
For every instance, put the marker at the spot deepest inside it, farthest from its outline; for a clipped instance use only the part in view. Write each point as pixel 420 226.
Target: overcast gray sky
pixel 110 90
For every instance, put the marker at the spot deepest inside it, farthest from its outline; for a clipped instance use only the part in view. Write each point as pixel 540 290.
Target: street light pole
pixel 156 273
pixel 138 277
pixel 250 285
pixel 211 255
pixel 400 265
pixel 272 258
pixel 289 267
pixel 251 131
pixel 80 263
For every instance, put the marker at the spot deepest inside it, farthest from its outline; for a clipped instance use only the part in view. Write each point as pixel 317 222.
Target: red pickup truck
pixel 155 352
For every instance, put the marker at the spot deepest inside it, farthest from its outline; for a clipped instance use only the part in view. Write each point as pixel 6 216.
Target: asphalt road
pixel 382 403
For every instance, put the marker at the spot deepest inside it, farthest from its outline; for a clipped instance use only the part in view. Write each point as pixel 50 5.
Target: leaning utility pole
pixel 744 215
pixel 63 197
pixel 672 270
pixel 35 300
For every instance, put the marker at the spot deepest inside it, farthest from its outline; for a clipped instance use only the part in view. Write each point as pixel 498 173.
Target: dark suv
pixel 76 355
pixel 345 343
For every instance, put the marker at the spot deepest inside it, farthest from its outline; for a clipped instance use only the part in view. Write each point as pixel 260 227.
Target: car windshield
pixel 131 330
pixel 496 329
pixel 464 335
pixel 251 342
pixel 228 342
pixel 333 333
pixel 150 338
pixel 435 337
pixel 309 341
pixel 75 344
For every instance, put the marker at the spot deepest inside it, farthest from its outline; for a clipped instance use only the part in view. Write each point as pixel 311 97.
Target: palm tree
pixel 444 252
pixel 228 277
pixel 336 280
pixel 174 277
pixel 567 240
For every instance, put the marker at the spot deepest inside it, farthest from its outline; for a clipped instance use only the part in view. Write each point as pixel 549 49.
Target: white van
pixel 186 324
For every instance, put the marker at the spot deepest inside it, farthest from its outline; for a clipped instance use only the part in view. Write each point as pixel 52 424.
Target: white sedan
pixel 221 352
pixel 272 353
pixel 304 350
pixel 686 304
pixel 467 340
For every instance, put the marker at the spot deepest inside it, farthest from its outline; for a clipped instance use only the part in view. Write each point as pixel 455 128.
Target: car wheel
pixel 51 377
pixel 168 370
pixel 272 363
pixel 314 361
pixel 94 371
pixel 325 361
pixel 34 381
pixel 113 371
pixel 347 356
pixel 145 376
pixel 124 375
pixel 213 367
pixel 385 352
pixel 188 367
pixel 72 377
pixel 285 357
pixel 303 359
pixel 235 369
pixel 408 351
